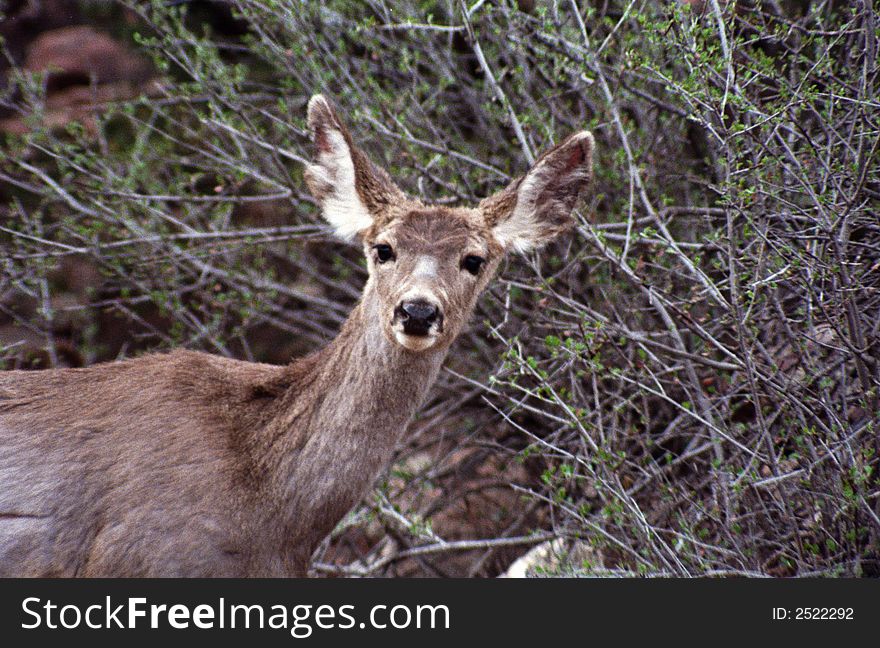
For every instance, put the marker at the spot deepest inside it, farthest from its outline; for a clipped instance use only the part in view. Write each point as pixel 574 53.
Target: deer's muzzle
pixel 418 316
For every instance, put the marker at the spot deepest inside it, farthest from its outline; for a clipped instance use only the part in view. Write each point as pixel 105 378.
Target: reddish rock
pixel 86 70
pixel 80 55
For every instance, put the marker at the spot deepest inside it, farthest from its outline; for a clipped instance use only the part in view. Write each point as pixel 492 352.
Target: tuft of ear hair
pixel 353 192
pixel 537 207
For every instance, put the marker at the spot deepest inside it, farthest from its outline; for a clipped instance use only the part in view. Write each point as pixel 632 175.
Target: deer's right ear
pixel 352 191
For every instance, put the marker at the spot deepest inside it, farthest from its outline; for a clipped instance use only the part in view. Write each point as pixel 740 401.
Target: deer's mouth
pixel 415 342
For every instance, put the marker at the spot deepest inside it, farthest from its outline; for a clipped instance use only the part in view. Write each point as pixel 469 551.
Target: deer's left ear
pixel 353 192
pixel 537 207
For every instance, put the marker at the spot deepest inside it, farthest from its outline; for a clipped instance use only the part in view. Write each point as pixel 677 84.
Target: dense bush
pixel 687 385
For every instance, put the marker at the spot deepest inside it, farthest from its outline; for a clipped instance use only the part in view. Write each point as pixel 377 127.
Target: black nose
pixel 417 316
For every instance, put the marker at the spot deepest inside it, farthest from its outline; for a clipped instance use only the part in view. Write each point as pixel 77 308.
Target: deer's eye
pixel 383 252
pixel 472 263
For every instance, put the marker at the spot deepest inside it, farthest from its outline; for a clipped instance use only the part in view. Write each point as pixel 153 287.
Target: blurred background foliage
pixel 687 385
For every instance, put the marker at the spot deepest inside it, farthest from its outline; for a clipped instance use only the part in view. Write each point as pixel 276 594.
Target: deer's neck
pixel 348 409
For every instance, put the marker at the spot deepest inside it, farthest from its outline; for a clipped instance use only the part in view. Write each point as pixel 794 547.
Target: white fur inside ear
pixel 556 181
pixel 517 231
pixel 342 206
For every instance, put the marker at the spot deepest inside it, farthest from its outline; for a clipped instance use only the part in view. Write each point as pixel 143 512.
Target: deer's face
pixel 428 264
pixel 427 268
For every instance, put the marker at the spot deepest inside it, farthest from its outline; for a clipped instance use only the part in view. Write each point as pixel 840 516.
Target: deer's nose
pixel 417 316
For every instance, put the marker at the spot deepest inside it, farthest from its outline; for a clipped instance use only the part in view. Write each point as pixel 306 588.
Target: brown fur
pixel 187 464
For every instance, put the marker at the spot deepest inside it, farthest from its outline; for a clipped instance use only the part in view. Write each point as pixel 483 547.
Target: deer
pixel 188 464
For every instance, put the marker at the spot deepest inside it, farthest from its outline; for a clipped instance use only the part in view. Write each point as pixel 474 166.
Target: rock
pixel 557 557
pixel 80 55
pixel 24 19
pixel 85 70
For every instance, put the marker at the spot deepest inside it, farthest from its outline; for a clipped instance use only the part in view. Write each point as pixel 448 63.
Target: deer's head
pixel 427 263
